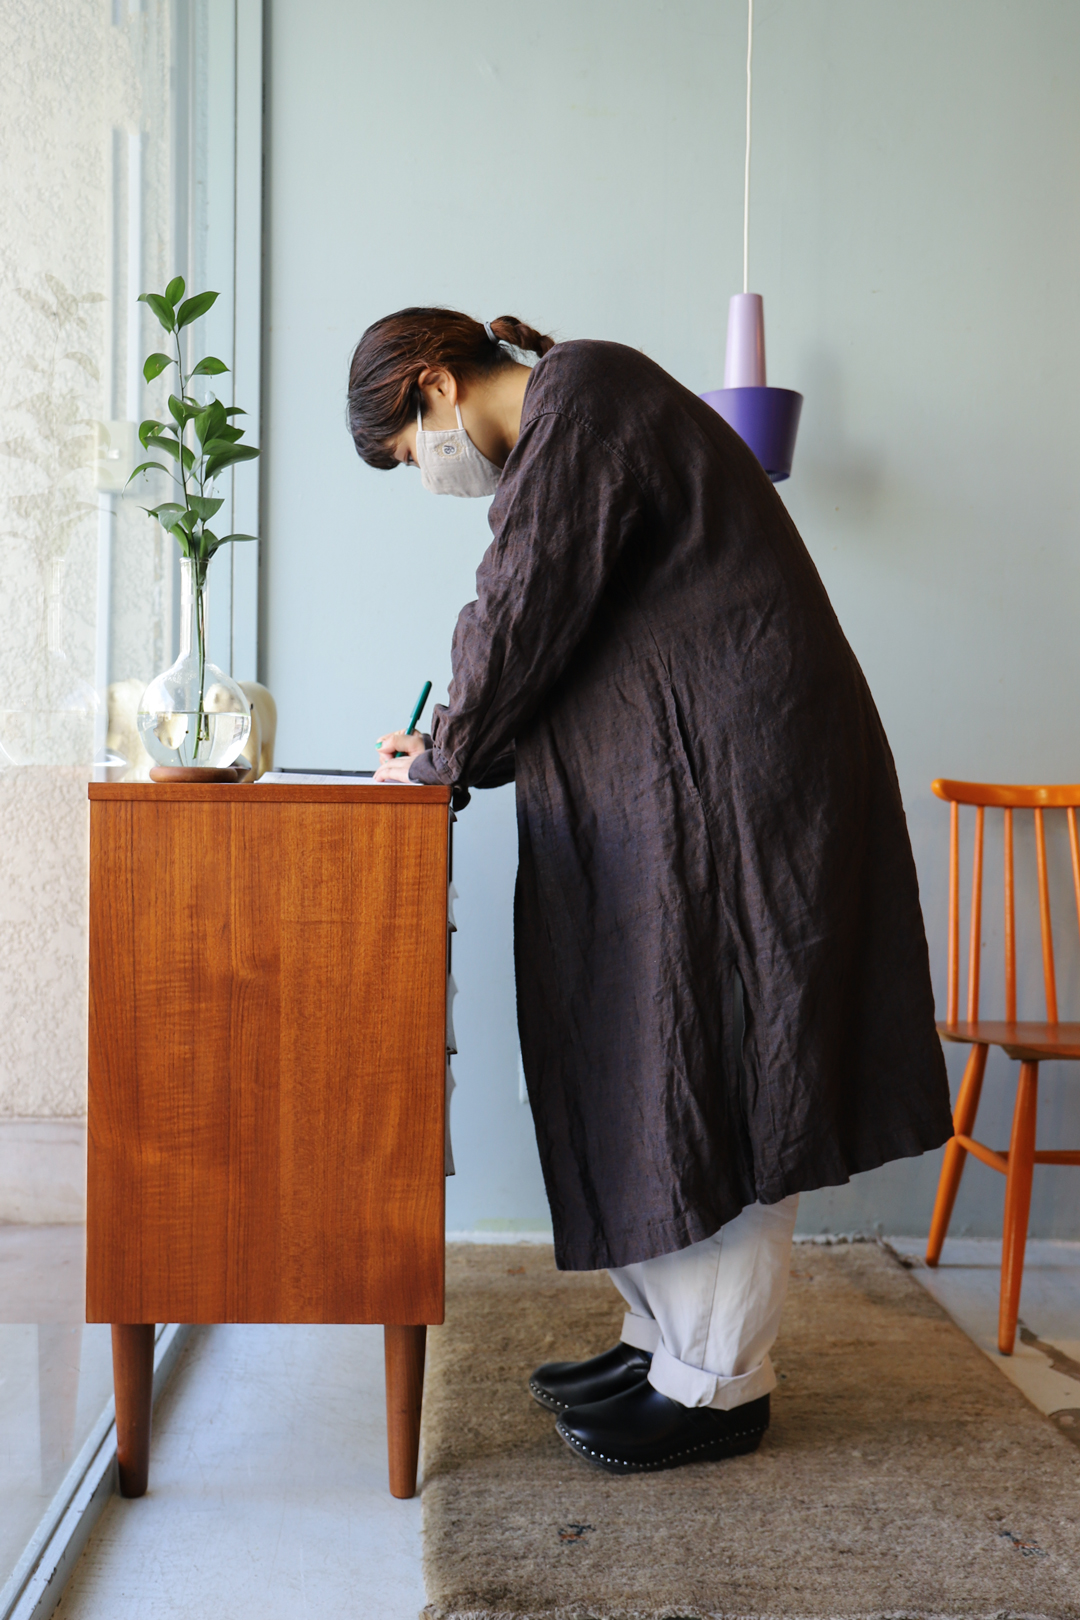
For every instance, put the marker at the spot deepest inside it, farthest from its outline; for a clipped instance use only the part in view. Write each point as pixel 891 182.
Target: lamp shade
pixel 767 418
pixel 744 356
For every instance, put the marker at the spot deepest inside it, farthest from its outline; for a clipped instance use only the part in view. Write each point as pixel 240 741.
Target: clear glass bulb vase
pixel 193 714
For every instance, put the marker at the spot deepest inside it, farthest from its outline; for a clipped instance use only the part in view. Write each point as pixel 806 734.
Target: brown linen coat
pixel 704 794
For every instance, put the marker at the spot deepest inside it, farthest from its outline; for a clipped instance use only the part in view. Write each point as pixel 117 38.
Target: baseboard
pixel 529 1235
pixel 42 1171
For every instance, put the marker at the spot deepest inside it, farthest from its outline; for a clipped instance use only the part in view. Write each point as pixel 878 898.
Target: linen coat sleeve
pixel 567 506
pixel 498 773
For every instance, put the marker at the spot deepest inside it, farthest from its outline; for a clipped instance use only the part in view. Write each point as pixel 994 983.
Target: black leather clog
pixel 641 1431
pixel 559 1385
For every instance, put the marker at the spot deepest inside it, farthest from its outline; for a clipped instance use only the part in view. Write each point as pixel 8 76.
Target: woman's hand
pixel 396 742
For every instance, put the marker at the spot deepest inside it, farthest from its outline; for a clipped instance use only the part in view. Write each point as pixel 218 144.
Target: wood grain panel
pixel 267 1054
pixel 258 793
pixel 113 1268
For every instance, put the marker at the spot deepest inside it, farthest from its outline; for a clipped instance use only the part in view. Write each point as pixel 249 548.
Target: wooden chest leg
pixel 133 1382
pixel 405 1347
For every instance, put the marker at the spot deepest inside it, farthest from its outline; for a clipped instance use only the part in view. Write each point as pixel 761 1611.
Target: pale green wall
pixel 915 234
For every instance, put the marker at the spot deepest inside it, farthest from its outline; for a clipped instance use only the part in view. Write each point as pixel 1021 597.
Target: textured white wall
pixel 915 234
pixel 43 876
pixel 59 96
pixel 73 87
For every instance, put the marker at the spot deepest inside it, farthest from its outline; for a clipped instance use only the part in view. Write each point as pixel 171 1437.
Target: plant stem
pixel 198 570
pixel 202 725
pixel 181 425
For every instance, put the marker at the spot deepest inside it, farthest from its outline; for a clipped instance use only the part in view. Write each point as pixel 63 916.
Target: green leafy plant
pixel 201 440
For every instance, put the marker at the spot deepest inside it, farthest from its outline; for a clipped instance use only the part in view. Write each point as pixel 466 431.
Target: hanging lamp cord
pixel 746 181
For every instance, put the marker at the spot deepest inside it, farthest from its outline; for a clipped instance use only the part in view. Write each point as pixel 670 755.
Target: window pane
pixel 118 130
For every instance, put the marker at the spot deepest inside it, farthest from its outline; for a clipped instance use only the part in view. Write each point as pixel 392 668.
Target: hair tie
pixel 491 336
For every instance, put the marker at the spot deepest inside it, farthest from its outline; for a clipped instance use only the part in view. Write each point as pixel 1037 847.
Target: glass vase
pixel 193 714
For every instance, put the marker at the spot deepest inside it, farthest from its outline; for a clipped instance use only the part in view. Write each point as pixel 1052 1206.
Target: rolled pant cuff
pixel 692 1386
pixel 641 1332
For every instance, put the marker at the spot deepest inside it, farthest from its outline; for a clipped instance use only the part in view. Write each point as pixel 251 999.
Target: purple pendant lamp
pixel 767 418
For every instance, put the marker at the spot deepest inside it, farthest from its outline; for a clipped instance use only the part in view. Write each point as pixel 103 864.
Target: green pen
pixel 417 712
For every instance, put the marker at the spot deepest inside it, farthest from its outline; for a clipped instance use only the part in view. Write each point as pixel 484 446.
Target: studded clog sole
pixel 734 1444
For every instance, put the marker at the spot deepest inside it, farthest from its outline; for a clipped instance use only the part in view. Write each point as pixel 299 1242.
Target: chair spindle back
pixel 982 795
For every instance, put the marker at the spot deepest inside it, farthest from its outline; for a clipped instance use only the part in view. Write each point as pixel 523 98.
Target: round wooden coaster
pixel 196 773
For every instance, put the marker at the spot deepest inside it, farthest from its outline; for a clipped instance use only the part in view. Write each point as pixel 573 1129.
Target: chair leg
pixel 967 1106
pixel 1017 1204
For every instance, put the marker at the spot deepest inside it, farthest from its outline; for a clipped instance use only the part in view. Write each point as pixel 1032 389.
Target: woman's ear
pixel 437 385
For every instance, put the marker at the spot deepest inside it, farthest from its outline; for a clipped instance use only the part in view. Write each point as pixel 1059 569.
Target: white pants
pixel 710 1313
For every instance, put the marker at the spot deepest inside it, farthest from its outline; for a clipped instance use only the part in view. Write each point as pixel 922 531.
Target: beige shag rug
pixel 902 1475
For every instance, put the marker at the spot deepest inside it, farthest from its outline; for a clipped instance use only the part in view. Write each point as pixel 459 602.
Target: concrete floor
pixel 55 1381
pixel 268 1482
pixel 42 1273
pixel 1045 1365
pixel 55 1374
pixel 268 1490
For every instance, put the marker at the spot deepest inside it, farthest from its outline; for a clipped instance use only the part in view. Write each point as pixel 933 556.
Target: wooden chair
pixel 1028 1043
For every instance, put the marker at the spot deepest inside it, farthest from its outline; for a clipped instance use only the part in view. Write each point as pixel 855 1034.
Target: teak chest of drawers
pixel 267 1073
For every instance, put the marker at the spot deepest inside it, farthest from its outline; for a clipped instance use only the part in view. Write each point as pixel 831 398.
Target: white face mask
pixel 450 464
